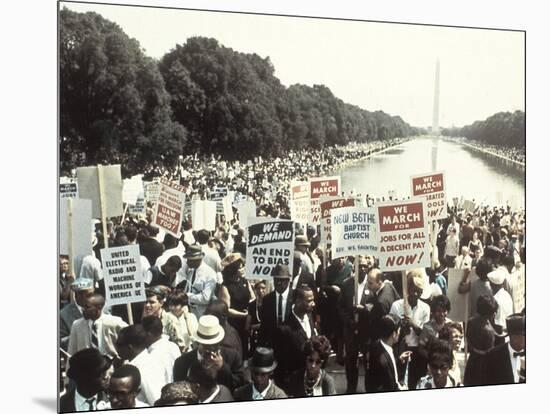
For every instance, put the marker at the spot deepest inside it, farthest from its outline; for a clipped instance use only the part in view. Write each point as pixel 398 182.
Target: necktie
pixel 519 354
pixel 95 341
pixel 193 279
pixel 280 310
pixel 90 402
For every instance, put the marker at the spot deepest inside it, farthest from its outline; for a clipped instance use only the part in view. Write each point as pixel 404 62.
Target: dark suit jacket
pixel 231 375
pixel 268 317
pixel 380 376
pixel 347 314
pixel 66 402
pixel 223 396
pixel 499 367
pixel 382 305
pixel 306 279
pixel 67 316
pixel 244 393
pixel 288 345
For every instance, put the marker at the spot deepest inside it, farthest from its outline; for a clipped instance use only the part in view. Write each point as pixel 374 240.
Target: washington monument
pixel 435 123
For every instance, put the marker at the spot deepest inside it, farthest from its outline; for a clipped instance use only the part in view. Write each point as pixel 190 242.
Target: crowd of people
pixel 511 153
pixel 207 333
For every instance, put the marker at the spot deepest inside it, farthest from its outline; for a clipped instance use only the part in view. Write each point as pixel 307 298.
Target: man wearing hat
pixel 229 365
pixel 262 364
pixel 301 245
pixel 95 329
pixel 503 298
pixel 413 314
pixel 200 280
pixel 89 370
pixel 82 289
pixel 504 360
pixel 277 305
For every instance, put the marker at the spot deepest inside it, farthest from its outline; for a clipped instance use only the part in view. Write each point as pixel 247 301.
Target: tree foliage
pixel 503 128
pixel 113 103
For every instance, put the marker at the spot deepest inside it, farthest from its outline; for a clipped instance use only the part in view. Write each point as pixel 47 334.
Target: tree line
pixel 503 128
pixel 119 105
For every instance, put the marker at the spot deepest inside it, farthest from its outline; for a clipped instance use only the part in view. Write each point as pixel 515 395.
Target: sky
pixel 374 65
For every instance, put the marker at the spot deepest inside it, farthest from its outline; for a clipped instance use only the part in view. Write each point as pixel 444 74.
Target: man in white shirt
pixel 301 244
pixel 200 280
pixel 162 351
pixel 503 298
pixel 464 261
pixel 132 347
pixel 414 315
pixel 95 329
pixel 451 247
pixel 211 255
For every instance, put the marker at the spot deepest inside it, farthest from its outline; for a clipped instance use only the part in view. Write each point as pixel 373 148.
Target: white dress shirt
pixel 152 377
pixel 81 404
pixel 505 307
pixel 420 314
pixel 179 250
pixel 211 258
pixel 514 360
pixel 304 322
pixel 360 289
pixel 165 353
pixel 285 298
pixel 202 290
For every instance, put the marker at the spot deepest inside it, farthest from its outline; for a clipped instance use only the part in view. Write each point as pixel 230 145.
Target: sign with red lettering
pixel 431 187
pixel 299 201
pixel 327 204
pixel 403 236
pixel 321 186
pixel 169 208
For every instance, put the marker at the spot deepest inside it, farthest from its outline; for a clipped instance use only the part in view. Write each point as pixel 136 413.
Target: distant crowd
pixel 511 153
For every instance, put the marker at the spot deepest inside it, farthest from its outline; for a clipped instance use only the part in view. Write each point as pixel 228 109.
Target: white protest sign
pixel 321 186
pixel 139 206
pixel 152 191
pixel 168 213
pixel 403 236
pixel 88 187
pixel 270 242
pixel 299 201
pixel 431 187
pixel 78 232
pixel 468 206
pixel 131 188
pixel 227 208
pixel 123 276
pixel 203 215
pixel 327 204
pixel 246 209
pixel 68 187
pixel 459 301
pixel 353 231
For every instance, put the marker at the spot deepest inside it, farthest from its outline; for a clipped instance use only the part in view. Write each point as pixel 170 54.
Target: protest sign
pixel 218 193
pixel 321 186
pixel 468 206
pixel 103 185
pixel 75 231
pixel 299 201
pixel 353 231
pixel 68 187
pixel 122 274
pixel 152 191
pixel 270 242
pixel 227 208
pixel 139 206
pixel 245 209
pixel 459 301
pixel 168 213
pixel 327 204
pixel 403 236
pixel 431 187
pixel 203 215
pixel 518 289
pixel 131 188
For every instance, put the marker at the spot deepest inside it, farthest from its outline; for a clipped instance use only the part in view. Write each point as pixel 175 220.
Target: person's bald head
pixel 374 280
